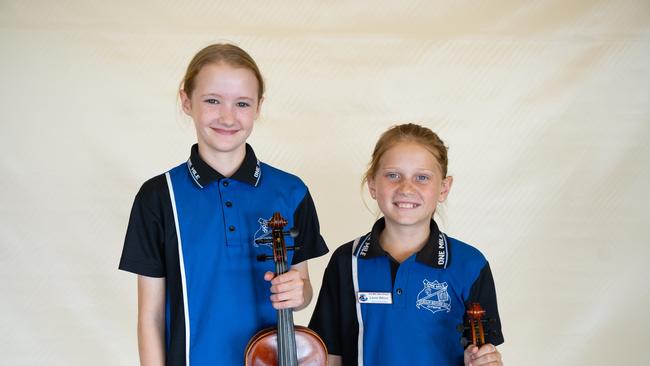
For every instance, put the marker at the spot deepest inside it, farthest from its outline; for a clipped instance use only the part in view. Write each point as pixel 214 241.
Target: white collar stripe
pixel 355 280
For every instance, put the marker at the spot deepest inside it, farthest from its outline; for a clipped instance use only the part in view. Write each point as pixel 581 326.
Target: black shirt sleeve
pixel 334 317
pixel 309 239
pixel 483 291
pixel 143 251
pixel 326 319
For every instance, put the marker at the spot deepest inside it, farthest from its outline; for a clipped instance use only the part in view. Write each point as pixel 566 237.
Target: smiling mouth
pixel 224 132
pixel 406 205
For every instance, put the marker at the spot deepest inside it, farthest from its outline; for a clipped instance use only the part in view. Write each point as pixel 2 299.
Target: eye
pixel 211 101
pixel 422 178
pixel 392 175
pixel 243 104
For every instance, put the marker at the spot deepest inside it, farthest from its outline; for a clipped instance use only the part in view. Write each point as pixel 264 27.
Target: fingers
pixel 286 289
pixel 268 276
pixel 487 355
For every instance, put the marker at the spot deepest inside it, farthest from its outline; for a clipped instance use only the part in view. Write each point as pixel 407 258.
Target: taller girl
pixel 201 292
pixel 396 295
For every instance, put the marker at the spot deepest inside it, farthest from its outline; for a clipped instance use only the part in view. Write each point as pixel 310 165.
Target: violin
pixel 474 326
pixel 287 344
pixel 476 329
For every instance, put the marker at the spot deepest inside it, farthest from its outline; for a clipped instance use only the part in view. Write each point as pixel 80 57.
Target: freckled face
pixel 408 185
pixel 224 106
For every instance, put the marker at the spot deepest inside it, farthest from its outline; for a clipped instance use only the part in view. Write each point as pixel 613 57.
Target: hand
pixel 287 289
pixel 484 356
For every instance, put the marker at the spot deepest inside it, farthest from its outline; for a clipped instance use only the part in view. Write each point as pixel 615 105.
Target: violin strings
pixel 287 355
pixel 286 339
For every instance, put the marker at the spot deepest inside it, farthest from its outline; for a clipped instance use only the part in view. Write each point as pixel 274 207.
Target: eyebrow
pixel 220 96
pixel 399 168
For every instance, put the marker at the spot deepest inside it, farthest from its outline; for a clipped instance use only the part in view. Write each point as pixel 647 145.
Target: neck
pixel 225 163
pixel 401 241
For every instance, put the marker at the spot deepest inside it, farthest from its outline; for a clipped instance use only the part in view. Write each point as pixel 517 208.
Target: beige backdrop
pixel 545 105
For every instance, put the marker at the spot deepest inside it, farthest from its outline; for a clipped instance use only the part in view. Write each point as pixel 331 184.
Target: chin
pixel 222 146
pixel 403 221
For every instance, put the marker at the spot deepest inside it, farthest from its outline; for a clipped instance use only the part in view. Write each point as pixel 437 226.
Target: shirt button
pixel 225 183
pixel 228 204
pixel 231 228
pixel 399 291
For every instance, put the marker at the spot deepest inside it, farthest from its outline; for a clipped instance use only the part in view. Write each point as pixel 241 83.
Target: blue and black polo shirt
pixel 405 313
pixel 197 229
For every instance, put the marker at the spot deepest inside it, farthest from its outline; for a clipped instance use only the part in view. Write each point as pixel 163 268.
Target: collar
pixel 203 174
pixel 435 253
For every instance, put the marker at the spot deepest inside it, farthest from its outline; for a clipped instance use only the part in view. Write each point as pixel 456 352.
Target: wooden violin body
pixel 286 345
pixel 262 350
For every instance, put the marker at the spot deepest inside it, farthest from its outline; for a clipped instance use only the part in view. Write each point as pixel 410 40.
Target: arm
pixel 334 360
pixel 487 355
pixel 151 320
pixel 291 289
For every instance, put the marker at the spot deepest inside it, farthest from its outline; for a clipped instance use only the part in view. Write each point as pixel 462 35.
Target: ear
pixel 446 187
pixel 372 188
pixel 186 102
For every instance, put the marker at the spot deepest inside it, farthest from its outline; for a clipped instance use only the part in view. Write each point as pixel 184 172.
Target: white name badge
pixel 375 297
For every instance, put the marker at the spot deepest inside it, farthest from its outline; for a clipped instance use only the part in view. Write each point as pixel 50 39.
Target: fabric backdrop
pixel 544 104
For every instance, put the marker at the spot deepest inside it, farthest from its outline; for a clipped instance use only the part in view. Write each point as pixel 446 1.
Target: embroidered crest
pixel 263 232
pixel 434 297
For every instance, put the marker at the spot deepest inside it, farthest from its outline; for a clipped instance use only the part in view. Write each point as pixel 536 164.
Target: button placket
pixel 400 286
pixel 231 222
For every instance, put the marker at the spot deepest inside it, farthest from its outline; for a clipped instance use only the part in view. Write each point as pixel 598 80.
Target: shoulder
pixel 154 192
pixel 153 189
pixel 464 254
pixel 154 185
pixel 342 256
pixel 271 173
pixel 158 185
pixel 464 248
pixel 343 252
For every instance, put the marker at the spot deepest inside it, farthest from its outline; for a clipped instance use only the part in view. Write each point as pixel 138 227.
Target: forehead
pixel 223 78
pixel 407 154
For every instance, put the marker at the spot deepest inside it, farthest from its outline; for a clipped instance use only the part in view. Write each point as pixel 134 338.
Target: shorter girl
pixel 396 295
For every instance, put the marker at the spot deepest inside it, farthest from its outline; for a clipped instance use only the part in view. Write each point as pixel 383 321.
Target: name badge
pixel 375 297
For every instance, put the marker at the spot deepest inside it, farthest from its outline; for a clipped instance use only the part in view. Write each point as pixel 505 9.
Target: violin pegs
pixel 294 248
pixel 264 257
pixel 293 232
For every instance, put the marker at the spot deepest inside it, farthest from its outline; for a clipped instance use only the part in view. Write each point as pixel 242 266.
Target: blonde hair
pixel 218 53
pixel 408 132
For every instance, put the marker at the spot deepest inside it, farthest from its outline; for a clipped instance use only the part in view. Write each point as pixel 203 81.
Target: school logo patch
pixel 433 297
pixel 263 233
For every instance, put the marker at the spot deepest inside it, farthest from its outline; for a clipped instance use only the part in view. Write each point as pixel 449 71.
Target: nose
pixel 405 187
pixel 226 116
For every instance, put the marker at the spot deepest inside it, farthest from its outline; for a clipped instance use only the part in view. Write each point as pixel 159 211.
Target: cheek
pixel 247 117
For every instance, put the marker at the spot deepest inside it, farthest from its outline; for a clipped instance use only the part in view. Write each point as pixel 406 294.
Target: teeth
pixel 406 205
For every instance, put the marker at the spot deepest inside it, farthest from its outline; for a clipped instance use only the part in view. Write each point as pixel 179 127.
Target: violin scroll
pixel 475 327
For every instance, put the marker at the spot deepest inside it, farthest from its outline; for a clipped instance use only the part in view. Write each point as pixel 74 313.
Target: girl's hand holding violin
pixel 487 355
pixel 287 289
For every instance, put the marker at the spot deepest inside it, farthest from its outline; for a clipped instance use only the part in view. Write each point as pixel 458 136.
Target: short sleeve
pixel 483 291
pixel 143 251
pixel 326 318
pixel 309 239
